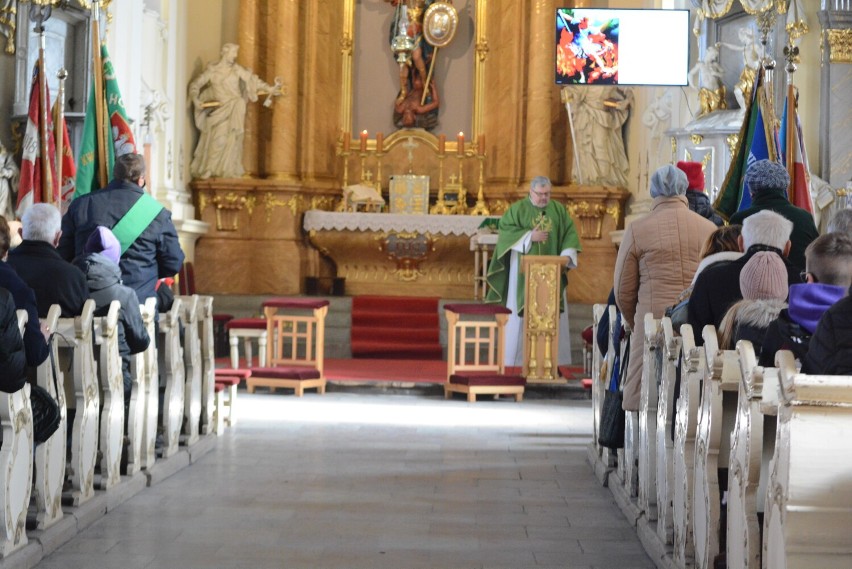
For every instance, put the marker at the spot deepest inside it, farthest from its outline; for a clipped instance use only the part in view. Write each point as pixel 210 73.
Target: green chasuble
pixel 520 218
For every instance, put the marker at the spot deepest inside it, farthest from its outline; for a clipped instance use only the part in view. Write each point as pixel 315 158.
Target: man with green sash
pixel 534 225
pixel 149 243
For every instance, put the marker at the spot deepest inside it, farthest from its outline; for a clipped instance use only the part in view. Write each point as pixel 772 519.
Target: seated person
pixel 100 265
pixel 830 349
pixel 828 276
pixel 54 280
pixel 13 362
pixel 763 283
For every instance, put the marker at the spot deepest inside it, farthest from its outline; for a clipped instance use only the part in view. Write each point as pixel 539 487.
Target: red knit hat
pixel 694 174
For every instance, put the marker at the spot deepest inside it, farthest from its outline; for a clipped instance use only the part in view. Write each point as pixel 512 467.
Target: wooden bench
pixel 647 463
pixel 665 427
pixel 191 346
pixel 139 443
pixel 111 380
pixel 172 374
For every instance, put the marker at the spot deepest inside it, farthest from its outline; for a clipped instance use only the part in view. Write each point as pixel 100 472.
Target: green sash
pixel 136 220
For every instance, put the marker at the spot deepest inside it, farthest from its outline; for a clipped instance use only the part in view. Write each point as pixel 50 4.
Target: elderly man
pixel 767 183
pixel 656 261
pixel 718 287
pixel 534 225
pixel 54 280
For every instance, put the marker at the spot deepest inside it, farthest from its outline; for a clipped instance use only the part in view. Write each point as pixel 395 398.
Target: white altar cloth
pixel 317 220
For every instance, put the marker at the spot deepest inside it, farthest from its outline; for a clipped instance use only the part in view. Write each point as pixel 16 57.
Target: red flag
pixel 31 186
pixel 799 192
pixel 69 166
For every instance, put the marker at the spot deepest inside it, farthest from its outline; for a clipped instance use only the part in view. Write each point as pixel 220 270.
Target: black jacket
pixel 104 278
pixel 155 254
pixel 700 204
pixel 53 280
pixel 804 230
pixel 830 350
pixel 784 334
pixel 35 345
pixel 13 361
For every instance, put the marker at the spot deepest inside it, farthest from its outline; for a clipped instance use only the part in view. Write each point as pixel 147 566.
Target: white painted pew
pixel 149 397
pixel 111 380
pixel 137 407
pixel 208 363
pixel 808 522
pixel 647 461
pixel 628 457
pixel 716 416
pixel 50 455
pixel 16 463
pixel 665 421
pixel 76 346
pixel 192 363
pixel 686 420
pixel 171 369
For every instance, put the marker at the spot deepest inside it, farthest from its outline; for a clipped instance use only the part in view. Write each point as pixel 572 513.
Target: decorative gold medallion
pixel 440 24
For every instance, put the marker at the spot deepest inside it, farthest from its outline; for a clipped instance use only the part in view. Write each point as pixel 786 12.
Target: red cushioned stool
pixel 475 343
pixel 248 329
pixel 296 350
pixel 230 383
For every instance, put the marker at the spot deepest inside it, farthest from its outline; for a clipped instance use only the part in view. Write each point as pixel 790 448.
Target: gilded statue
pixel 706 76
pixel 752 56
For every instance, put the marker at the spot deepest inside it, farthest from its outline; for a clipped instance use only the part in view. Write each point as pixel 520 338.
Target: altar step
pixel 396 328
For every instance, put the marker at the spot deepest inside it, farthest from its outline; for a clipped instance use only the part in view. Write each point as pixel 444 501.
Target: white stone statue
pixel 657 118
pixel 706 76
pixel 8 183
pixel 220 95
pixel 752 55
pixel 599 114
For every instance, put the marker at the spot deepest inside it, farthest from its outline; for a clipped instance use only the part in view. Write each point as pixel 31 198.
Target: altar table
pixel 398 255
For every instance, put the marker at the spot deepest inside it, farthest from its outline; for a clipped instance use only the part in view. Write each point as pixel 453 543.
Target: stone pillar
pixel 836 99
pixel 540 89
pixel 281 156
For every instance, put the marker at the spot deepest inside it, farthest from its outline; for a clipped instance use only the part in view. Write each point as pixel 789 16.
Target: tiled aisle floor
pixel 374 479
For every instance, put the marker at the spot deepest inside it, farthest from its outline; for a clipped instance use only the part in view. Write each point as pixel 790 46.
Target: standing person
pixel 38 263
pixel 767 183
pixel 538 226
pixel 227 86
pixel 149 241
pixel 656 260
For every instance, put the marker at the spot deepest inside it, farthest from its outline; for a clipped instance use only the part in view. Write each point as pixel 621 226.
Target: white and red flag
pixel 38 181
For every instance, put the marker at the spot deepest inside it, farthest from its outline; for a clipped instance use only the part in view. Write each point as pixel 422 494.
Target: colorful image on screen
pixel 586 48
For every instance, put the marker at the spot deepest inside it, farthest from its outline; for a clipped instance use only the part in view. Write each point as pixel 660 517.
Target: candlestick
pixel 481 144
pixel 346 141
pixel 363 141
pixel 461 144
pixel 442 143
pixel 380 138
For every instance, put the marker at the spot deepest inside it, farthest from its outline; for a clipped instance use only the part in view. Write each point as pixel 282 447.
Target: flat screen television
pixel 602 46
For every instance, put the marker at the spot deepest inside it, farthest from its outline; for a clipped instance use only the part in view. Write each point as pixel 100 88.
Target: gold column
pixel 248 34
pixel 539 90
pixel 281 156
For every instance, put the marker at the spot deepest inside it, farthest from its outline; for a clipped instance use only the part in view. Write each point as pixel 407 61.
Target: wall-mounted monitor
pixel 602 46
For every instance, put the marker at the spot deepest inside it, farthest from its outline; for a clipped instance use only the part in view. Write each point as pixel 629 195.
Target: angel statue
pixel 711 90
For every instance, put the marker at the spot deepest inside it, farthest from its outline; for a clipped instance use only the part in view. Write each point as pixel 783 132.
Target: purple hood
pixel 809 301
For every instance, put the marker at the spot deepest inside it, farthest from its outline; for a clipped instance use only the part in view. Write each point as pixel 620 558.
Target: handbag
pixel 611 431
pixel 45 409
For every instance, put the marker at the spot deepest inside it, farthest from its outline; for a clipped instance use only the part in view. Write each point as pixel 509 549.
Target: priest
pixel 534 225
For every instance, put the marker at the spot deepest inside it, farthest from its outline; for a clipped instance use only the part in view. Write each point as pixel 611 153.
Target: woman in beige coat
pixel 656 260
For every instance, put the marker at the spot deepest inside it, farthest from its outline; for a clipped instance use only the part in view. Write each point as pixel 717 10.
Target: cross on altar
pixel 453 179
pixel 368 175
pixel 410 145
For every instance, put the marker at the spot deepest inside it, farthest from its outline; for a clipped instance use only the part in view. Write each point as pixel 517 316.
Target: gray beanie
pixel 766 176
pixel 668 181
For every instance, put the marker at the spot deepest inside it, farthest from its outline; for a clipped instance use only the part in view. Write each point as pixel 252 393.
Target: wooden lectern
pixel 543 274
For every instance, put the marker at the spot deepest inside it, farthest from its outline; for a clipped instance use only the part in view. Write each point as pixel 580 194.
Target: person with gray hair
pixel 767 183
pixel 718 288
pixel 54 280
pixel 656 261
pixel 841 222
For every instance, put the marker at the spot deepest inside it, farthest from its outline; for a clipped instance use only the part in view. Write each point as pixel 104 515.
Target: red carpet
pixel 399 328
pixel 416 371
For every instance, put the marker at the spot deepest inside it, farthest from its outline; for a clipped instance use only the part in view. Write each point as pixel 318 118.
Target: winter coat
pixel 53 280
pixel 104 278
pixel 35 345
pixel 700 204
pixel 13 360
pixel 656 260
pixel 804 230
pixel 830 350
pixel 748 320
pixel 155 254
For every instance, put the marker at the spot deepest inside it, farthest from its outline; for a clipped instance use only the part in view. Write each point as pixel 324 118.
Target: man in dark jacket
pixel 718 286
pixel 830 349
pixel 767 184
pixel 53 280
pixel 13 362
pixel 149 241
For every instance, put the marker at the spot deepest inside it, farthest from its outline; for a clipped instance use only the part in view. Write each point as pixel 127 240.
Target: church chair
pixel 248 329
pixel 226 400
pixel 295 354
pixel 475 343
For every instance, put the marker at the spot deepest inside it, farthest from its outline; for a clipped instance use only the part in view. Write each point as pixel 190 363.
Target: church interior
pixel 349 162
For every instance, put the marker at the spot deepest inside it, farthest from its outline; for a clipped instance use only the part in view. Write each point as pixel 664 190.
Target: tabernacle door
pixel 541 317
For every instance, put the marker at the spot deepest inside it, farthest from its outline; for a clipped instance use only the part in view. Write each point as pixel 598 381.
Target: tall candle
pixel 346 141
pixel 481 144
pixel 363 141
pixel 380 139
pixel 461 144
pixel 442 143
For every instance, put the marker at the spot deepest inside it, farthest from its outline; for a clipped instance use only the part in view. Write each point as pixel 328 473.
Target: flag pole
pixel 58 129
pixel 791 53
pixel 100 112
pixel 40 15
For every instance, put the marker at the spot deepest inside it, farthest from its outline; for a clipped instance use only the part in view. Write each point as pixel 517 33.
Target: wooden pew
pixel 192 362
pixel 595 450
pixel 647 463
pixel 686 420
pixel 208 364
pixel 171 369
pixel 664 440
pixel 149 398
pixel 808 521
pixel 50 455
pixel 81 389
pixel 111 380
pixel 16 462
pixel 716 418
pixel 137 410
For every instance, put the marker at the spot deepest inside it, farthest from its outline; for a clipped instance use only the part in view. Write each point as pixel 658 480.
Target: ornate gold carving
pixel 325 203
pixel 228 208
pixel 590 216
pixel 839 45
pixel 407 250
pixel 346 44
pixel 732 140
pixel 482 50
pixel 615 212
pixel 706 161
pixel 696 138
pixel 674 149
pixel 688 156
pixel 270 202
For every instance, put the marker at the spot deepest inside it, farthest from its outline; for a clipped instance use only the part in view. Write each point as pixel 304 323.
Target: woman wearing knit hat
pixel 763 283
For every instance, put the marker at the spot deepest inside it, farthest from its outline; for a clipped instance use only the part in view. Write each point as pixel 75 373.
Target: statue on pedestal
pixel 751 63
pixel 8 182
pixel 711 90
pixel 219 96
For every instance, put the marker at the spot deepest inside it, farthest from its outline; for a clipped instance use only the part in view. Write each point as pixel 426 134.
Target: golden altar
pixel 397 255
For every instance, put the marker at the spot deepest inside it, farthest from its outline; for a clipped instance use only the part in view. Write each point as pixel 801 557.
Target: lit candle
pixel 363 141
pixel 461 144
pixel 380 138
pixel 346 141
pixel 481 144
pixel 442 143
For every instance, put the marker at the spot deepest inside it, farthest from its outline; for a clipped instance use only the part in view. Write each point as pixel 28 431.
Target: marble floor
pixel 369 478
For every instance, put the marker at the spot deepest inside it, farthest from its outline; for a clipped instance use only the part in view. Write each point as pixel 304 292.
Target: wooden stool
pixel 247 328
pixel 231 379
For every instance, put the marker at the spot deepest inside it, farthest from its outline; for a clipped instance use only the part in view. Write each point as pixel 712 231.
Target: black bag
pixel 611 429
pixel 46 415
